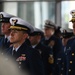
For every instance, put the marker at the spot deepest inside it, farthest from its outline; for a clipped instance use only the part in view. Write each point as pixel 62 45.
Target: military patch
pixel 52 43
pixel 51 59
pixel 72 54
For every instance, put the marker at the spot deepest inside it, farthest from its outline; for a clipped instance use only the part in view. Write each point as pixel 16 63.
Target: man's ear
pixel 25 35
pixel 38 37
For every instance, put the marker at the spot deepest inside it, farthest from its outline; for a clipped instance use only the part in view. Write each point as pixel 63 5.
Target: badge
pixel 51 59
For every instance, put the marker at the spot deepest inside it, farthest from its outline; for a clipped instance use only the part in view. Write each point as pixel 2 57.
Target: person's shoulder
pixel 1 37
pixel 46 47
pixel 54 38
pixel 72 38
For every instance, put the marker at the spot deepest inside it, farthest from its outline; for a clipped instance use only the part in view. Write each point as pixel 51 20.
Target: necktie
pixel 14 52
pixel 5 40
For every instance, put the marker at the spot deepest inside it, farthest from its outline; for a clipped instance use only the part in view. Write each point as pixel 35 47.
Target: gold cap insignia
pixel 1 15
pixel 47 22
pixel 73 15
pixel 14 21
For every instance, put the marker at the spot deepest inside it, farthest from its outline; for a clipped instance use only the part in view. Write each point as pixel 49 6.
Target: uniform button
pixel 63 63
pixel 19 66
pixel 70 62
pixel 19 62
pixel 61 68
pixel 66 53
pixel 72 54
pixel 69 70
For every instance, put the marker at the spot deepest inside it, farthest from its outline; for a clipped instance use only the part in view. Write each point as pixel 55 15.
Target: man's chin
pixel 12 42
pixel 74 32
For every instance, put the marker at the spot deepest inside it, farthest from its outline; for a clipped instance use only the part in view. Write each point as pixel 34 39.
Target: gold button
pixel 19 62
pixel 61 68
pixel 19 66
pixel 70 62
pixel 72 54
pixel 69 70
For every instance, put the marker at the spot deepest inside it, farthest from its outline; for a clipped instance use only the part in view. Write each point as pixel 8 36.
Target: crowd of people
pixel 38 52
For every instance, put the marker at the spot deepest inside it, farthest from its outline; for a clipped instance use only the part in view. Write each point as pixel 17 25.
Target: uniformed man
pixel 45 51
pixel 5 24
pixel 27 58
pixel 71 53
pixel 56 45
pixel 67 43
